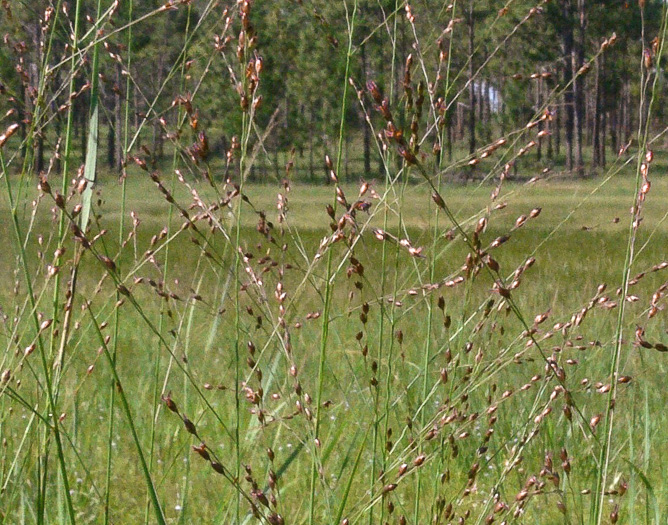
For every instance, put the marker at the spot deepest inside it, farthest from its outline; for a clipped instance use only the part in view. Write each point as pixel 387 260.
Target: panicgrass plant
pixel 192 345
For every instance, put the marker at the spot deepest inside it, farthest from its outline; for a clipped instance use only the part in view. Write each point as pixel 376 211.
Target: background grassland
pixel 577 246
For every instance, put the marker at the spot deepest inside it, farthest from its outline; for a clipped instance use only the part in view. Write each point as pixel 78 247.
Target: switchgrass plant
pixel 187 346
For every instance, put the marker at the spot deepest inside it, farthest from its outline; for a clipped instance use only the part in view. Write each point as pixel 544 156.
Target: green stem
pixel 133 430
pixel 324 328
pixel 643 133
pixel 121 234
pixel 51 399
pixel 170 216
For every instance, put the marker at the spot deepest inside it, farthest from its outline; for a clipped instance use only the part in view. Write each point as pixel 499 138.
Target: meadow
pixel 354 262
pixel 420 373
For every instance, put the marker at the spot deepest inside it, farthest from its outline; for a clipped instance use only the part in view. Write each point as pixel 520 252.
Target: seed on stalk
pixel 169 403
pixel 190 426
pixel 647 54
pixel 389 488
pixel 275 519
pixel 44 186
pixel 499 241
pixel 594 421
pixel 202 451
pixel 8 133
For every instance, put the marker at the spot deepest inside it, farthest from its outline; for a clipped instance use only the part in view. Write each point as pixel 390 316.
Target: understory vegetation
pixel 333 262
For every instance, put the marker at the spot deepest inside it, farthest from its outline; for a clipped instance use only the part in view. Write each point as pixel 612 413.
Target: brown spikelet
pixel 169 403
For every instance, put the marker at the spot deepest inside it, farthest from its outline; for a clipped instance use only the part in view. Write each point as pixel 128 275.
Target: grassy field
pixel 391 388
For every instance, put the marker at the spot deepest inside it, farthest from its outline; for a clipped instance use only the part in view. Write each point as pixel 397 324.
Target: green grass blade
pixel 351 478
pixel 651 495
pixel 90 168
pixel 91 161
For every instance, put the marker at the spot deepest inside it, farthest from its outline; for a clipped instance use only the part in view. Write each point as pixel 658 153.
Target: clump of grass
pixel 400 351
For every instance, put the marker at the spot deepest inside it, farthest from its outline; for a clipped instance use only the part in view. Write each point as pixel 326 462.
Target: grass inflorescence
pixel 197 332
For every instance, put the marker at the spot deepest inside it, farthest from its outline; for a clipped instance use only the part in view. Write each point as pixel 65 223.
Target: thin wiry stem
pixel 644 121
pixel 324 332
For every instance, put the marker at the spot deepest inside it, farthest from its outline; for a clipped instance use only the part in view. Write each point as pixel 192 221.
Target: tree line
pixel 485 69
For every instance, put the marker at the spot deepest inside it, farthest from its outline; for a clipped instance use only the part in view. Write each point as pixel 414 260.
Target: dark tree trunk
pixel 539 106
pixel 118 121
pixel 557 132
pixel 567 43
pixel 460 120
pixel 325 145
pixel 579 93
pixel 613 129
pixel 487 112
pixel 597 117
pixel 365 126
pixel 604 125
pixel 472 100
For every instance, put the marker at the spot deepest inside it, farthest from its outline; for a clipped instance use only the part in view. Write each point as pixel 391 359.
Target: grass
pixel 446 345
pixel 565 276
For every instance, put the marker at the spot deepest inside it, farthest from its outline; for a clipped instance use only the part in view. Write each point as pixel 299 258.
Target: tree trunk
pixel 604 125
pixel 448 123
pixel 579 94
pixel 539 106
pixel 118 121
pixel 325 146
pixel 614 120
pixel 548 121
pixel 557 132
pixel 597 117
pixel 567 46
pixel 472 100
pixel 365 126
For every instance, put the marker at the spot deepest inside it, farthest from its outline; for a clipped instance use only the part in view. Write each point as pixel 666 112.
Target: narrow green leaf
pixel 351 478
pixel 90 168
pixel 651 496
